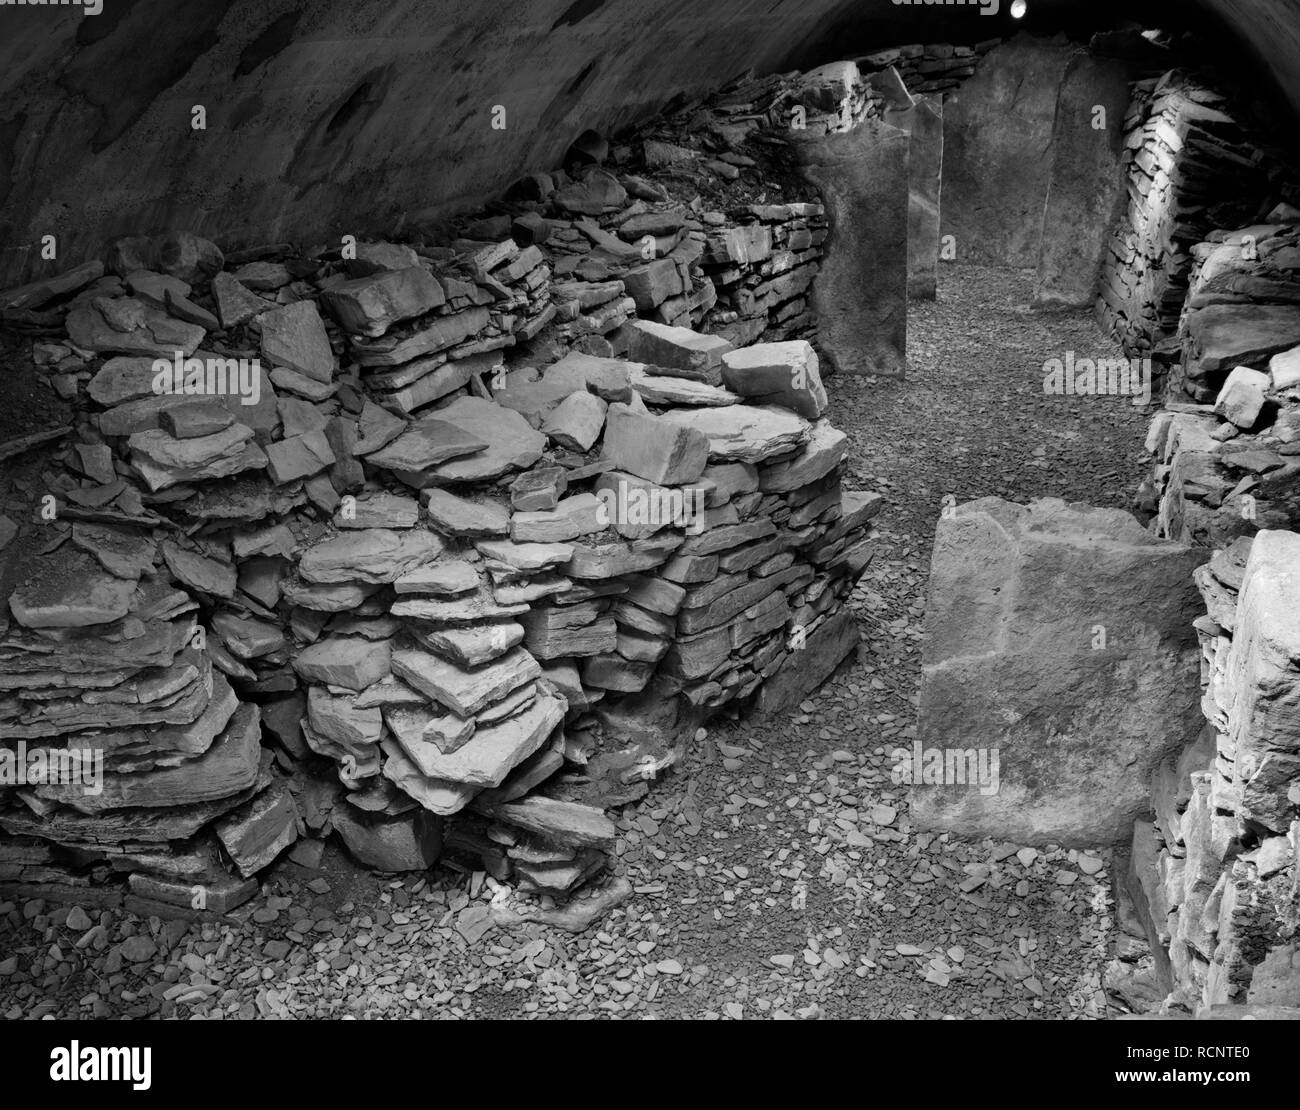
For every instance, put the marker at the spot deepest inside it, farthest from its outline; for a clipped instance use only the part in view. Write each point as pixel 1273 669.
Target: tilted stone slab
pixel 436 795
pixel 465 691
pixel 472 646
pixel 495 750
pixel 651 447
pixel 511 443
pixel 806 668
pixel 371 305
pixel 294 337
pixel 825 448
pixel 426 443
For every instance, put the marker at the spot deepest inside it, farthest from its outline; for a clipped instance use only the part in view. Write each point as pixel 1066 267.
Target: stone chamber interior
pixel 607 508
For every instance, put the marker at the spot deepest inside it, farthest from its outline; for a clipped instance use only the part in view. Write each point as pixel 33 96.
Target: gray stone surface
pixel 1086 185
pixel 997 141
pixel 1060 637
pixel 860 295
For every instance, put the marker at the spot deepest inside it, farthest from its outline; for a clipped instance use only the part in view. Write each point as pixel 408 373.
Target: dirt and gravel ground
pixel 774 871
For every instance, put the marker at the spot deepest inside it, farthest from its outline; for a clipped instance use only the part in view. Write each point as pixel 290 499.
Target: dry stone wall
pixel 339 566
pixel 1212 877
pixel 1189 168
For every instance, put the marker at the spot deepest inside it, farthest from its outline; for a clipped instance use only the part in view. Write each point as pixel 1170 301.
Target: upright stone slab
pixel 1060 638
pixel 925 189
pixel 922 118
pixel 1085 192
pixel 860 294
pixel 1263 723
pixel 804 670
pixel 997 141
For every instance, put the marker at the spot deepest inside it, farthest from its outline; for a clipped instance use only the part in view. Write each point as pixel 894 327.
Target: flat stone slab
pixel 511 443
pixel 458 516
pixel 660 390
pixel 228 767
pixel 1222 336
pixel 378 510
pixel 495 750
pixel 744 433
pixel 462 610
pixel 371 555
pixel 580 514
pixel 440 579
pixel 69 589
pixel 424 444
pixel 679 352
pixel 528 557
pixel 470 647
pixel 127 326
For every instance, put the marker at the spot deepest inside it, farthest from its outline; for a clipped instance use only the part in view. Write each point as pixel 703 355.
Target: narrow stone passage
pixel 774 870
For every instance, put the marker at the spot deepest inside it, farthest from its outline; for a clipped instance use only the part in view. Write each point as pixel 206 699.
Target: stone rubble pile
pixel 499 594
pixel 1185 153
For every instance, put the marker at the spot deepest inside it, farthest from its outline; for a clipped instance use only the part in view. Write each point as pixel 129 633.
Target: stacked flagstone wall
pixel 446 547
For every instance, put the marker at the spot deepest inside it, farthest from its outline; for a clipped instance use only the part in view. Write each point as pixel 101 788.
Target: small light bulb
pixel 1018 9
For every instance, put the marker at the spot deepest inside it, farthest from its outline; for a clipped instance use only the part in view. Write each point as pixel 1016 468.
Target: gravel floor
pixel 774 870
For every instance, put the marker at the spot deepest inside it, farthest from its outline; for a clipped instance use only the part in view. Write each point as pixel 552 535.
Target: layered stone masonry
pixel 1214 873
pixel 1225 469
pixel 1213 876
pixel 346 621
pixel 495 594
pixel 1190 168
pixel 1243 304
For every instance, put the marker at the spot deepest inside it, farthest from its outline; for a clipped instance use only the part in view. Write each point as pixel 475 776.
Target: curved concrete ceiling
pixel 328 118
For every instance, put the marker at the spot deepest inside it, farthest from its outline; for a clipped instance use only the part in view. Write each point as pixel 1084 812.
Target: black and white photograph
pixel 649 510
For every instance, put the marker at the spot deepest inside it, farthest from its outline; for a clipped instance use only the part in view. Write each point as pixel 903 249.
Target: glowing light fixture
pixel 1018 9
